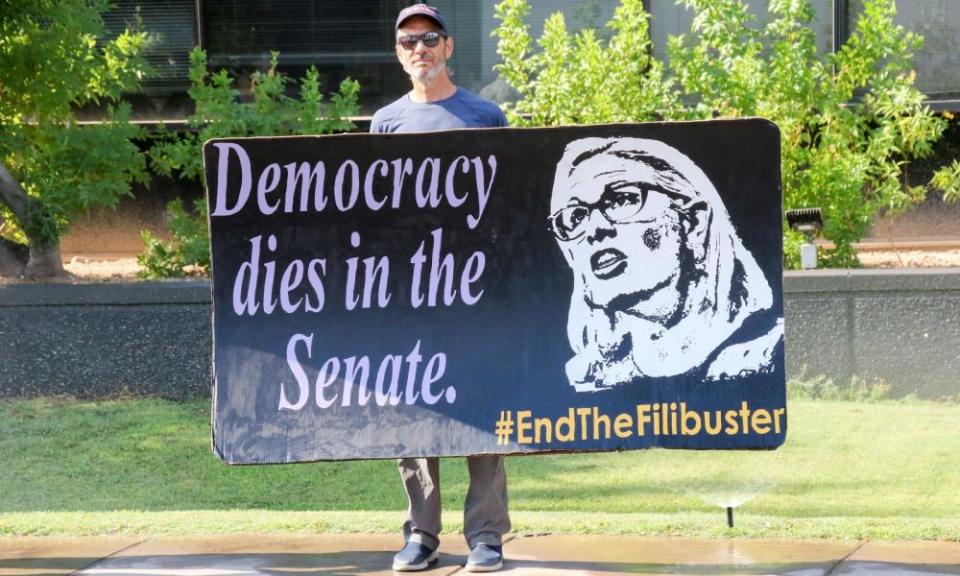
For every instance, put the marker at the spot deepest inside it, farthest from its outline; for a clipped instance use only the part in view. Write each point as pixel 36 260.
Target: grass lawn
pixel 884 470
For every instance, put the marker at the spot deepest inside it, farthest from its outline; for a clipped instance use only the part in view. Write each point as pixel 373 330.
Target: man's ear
pixel 448 47
pixel 697 222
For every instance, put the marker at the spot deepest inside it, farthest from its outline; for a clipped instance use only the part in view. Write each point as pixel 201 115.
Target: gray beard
pixel 430 76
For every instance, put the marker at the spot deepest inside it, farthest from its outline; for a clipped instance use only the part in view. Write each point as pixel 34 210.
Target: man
pixel 663 286
pixel 435 103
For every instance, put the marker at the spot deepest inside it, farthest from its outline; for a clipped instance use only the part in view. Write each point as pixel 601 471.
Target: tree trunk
pixel 41 262
pixel 45 263
pixel 13 258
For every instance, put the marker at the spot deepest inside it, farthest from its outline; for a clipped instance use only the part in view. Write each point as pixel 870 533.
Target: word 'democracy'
pixel 385 184
pixel 267 283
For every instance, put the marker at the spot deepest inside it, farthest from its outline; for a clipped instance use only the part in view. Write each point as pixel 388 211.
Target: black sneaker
pixel 485 558
pixel 414 556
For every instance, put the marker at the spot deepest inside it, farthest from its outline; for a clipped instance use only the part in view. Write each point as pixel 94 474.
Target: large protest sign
pixel 497 291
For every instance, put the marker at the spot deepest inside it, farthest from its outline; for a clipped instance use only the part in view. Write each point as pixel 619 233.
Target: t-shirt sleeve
pixel 501 118
pixel 493 116
pixel 487 113
pixel 376 123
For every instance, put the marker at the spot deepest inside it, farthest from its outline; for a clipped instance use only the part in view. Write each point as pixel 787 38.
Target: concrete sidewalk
pixel 562 555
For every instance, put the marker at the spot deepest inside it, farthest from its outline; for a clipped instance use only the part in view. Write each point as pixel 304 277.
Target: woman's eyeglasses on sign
pixel 619 205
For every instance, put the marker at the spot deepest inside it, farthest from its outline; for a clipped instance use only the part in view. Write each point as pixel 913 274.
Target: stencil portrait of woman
pixel 663 285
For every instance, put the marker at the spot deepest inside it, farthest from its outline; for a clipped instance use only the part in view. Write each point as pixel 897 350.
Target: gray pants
pixel 485 516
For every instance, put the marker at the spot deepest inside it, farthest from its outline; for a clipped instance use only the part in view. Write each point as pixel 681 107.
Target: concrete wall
pixel 154 338
pixel 901 326
pixel 103 339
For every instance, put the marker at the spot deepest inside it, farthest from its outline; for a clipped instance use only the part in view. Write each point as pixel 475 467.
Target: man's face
pixel 622 232
pixel 422 63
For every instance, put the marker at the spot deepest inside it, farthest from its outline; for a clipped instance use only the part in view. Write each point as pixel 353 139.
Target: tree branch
pixel 13 195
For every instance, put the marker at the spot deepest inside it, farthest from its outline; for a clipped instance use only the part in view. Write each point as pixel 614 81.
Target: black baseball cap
pixel 421 10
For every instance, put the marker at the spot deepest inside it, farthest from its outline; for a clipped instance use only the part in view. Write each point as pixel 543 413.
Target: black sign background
pixel 505 353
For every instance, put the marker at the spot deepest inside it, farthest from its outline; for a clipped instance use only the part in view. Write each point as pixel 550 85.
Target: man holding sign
pixel 378 295
pixel 436 103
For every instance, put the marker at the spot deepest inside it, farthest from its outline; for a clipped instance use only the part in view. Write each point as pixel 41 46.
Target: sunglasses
pixel 429 39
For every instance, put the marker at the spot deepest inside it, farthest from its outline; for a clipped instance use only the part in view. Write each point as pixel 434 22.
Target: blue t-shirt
pixel 462 110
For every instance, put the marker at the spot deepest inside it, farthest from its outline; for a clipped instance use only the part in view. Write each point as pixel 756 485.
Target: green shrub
pixel 850 121
pixel 582 78
pixel 947 179
pixel 189 253
pixel 220 113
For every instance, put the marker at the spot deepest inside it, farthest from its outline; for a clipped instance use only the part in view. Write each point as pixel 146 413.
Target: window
pixel 172 26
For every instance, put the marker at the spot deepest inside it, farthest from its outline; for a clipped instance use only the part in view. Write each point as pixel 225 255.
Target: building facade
pixel 355 39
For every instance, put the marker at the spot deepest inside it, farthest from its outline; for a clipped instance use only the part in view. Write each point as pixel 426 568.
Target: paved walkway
pixel 332 555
